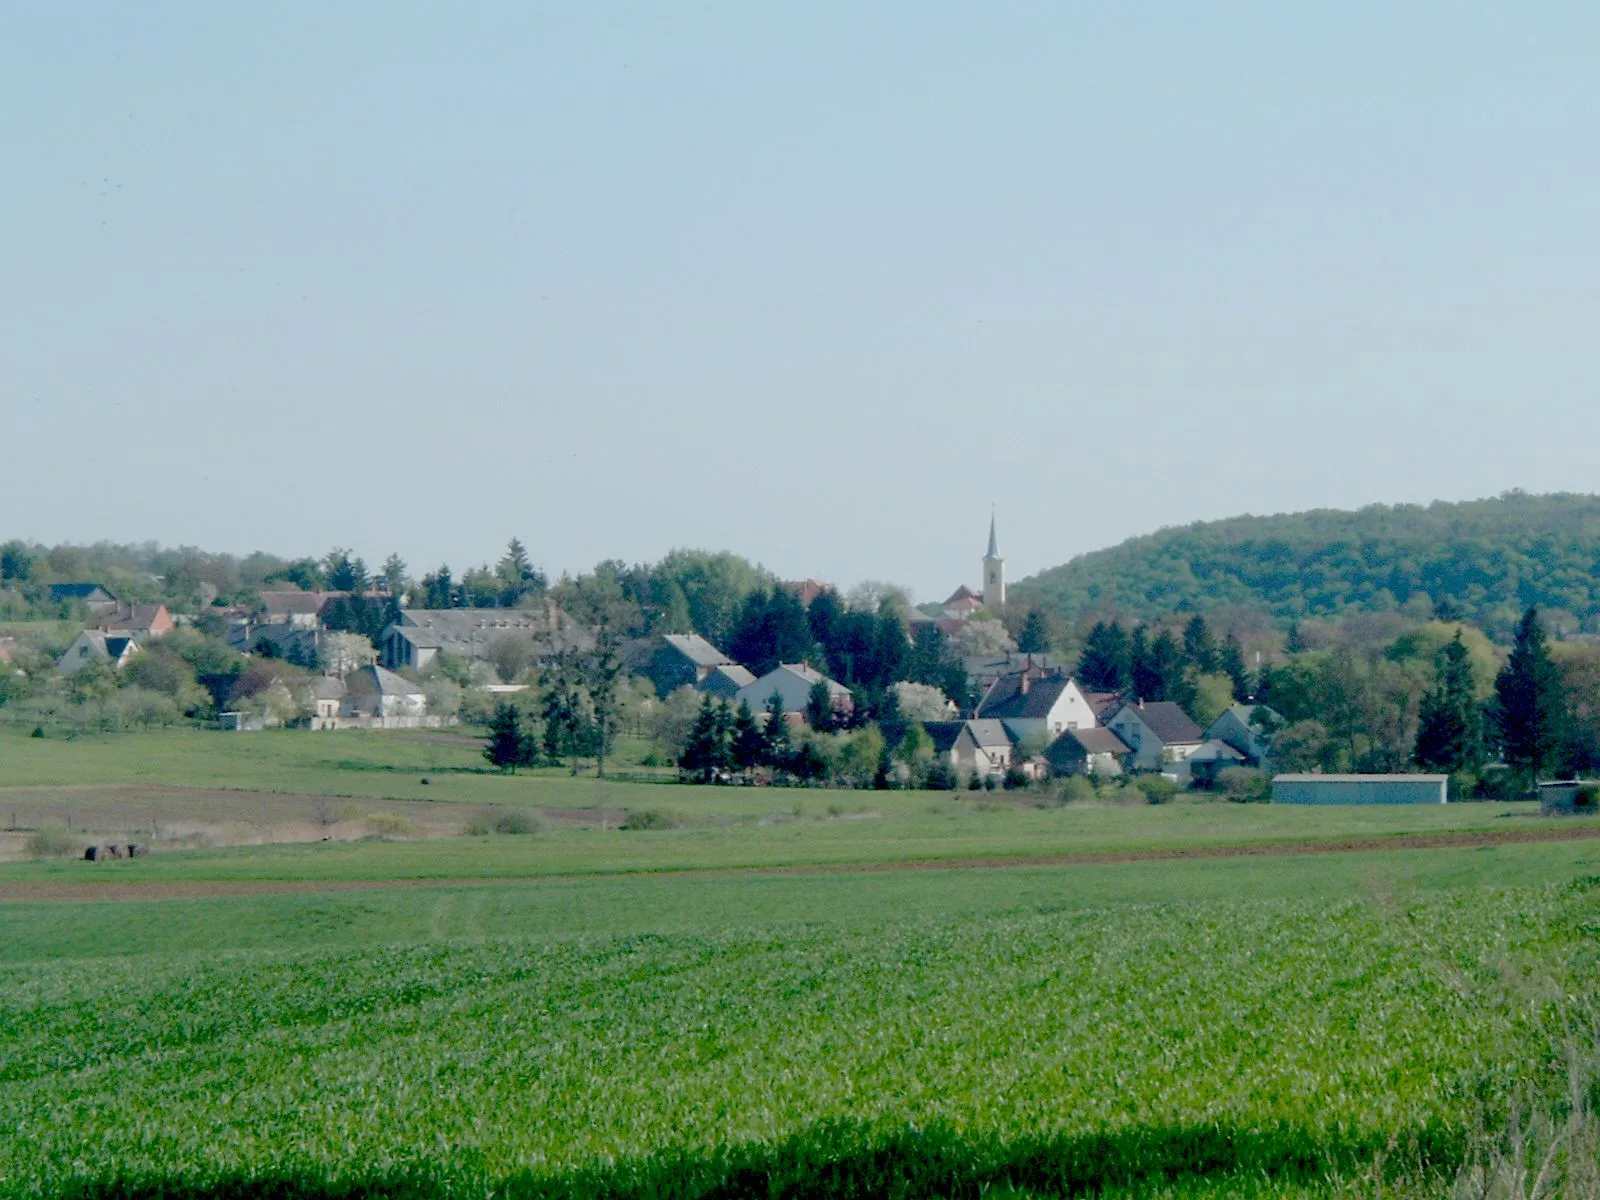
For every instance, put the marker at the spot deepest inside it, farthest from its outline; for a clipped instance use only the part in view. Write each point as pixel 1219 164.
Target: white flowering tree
pixel 343 653
pixel 923 702
pixel 983 639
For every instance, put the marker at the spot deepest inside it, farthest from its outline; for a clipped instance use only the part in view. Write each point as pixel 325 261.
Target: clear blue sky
pixel 818 283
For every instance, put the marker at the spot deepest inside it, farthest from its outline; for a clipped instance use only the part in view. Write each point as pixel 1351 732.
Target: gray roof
pixel 994 546
pixel 385 682
pixel 1023 696
pixel 1167 721
pixel 290 603
pixel 697 650
pixel 989 733
pixel 981 666
pixel 1098 740
pixel 467 632
pixel 1245 714
pixel 735 674
pixel 77 591
pixel 1214 751
pixel 327 687
pixel 1362 778
pixel 811 675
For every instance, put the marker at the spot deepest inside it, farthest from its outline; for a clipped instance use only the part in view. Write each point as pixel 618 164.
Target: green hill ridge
pixel 1486 560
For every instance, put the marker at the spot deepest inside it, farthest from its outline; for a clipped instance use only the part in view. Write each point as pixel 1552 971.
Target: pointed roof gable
pixel 994 545
pixel 1166 720
pixel 1024 695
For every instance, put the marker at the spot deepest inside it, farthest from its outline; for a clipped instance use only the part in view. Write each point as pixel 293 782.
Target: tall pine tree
pixel 1198 645
pixel 1034 636
pixel 706 750
pixel 1450 725
pixel 1104 664
pixel 1231 661
pixel 747 740
pixel 1530 701
pixel 777 749
pixel 511 744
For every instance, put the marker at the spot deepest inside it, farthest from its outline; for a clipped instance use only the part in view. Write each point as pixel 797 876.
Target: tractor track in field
pixel 112 889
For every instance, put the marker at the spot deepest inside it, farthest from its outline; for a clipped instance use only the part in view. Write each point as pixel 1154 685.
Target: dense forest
pixel 1482 560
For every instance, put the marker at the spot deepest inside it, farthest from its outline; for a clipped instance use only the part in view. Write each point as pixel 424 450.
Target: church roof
pixel 994 546
pixel 963 593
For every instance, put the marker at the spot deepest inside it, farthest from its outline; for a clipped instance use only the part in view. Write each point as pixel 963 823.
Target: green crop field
pixel 906 997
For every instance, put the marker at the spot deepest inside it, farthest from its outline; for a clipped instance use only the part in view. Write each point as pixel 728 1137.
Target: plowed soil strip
pixel 112 889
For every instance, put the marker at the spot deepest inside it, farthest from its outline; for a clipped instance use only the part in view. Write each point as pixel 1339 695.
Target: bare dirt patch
pixel 110 888
pixel 176 818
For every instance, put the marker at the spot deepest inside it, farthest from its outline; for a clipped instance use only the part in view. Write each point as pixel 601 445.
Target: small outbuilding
pixel 1207 764
pixel 1569 798
pixel 1360 789
pixel 1095 751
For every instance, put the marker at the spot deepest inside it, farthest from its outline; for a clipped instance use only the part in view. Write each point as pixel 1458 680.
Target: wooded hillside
pixel 1483 560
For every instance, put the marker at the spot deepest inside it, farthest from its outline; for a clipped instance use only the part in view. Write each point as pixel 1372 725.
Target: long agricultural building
pixel 1360 789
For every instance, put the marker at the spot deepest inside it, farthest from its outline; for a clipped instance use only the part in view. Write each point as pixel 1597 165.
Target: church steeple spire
pixel 994 573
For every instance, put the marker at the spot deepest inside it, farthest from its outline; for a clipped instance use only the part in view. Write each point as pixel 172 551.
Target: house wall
pixel 1376 789
pixel 669 670
pixel 79 655
pixel 400 652
pixel 984 760
pixel 1146 746
pixel 1229 728
pixel 720 686
pixel 794 690
pixel 1071 710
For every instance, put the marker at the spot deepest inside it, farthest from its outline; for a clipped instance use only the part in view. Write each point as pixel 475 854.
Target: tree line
pixel 1483 561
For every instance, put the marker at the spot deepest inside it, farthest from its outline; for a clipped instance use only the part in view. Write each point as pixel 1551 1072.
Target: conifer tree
pixel 1104 664
pixel 723 724
pixel 1143 676
pixel 1034 636
pixel 705 750
pixel 1231 660
pixel 819 707
pixel 1198 645
pixel 748 743
pixel 1530 701
pixel 510 744
pixel 559 710
pixel 1450 726
pixel 777 749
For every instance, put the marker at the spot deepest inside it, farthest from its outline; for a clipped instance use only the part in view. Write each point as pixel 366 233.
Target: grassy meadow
pixel 771 998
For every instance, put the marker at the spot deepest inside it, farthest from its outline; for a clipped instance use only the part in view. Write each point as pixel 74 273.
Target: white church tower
pixel 994 574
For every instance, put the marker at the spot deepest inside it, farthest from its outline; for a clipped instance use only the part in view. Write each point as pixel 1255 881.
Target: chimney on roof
pixel 1027 682
pixel 1141 703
